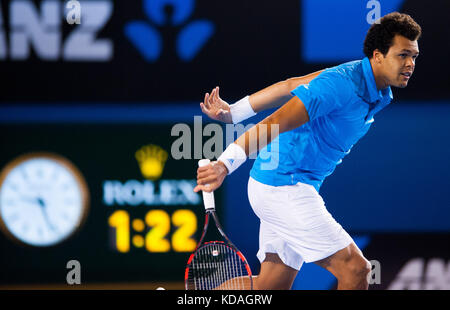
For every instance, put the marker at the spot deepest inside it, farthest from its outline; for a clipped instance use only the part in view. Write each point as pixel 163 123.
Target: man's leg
pixel 349 267
pixel 274 274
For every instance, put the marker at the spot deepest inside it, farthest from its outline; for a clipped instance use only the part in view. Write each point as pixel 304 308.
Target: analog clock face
pixel 43 199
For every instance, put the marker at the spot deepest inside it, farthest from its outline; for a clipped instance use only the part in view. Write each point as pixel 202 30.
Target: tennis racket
pixel 216 265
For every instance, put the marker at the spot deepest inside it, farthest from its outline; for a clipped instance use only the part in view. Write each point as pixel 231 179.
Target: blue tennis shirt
pixel 341 104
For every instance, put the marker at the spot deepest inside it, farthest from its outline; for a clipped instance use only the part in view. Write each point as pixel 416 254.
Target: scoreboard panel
pixel 142 220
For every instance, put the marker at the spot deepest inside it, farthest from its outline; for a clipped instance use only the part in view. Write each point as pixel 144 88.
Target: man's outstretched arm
pixel 270 97
pixel 279 93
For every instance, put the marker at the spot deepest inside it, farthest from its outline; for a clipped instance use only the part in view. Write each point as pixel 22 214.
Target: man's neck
pixel 379 79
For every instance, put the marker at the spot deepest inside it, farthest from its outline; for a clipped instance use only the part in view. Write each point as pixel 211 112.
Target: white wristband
pixel 241 110
pixel 233 157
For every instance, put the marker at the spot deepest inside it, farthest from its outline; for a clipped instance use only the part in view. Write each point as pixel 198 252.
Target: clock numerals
pixel 159 225
pixel 13 187
pixel 12 218
pixel 155 240
pixel 120 220
pixel 186 221
pixel 25 227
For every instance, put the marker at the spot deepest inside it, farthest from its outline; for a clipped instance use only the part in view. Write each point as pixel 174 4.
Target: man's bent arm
pixel 291 115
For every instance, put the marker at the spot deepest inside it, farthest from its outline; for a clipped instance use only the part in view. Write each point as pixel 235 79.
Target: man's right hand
pixel 215 107
pixel 210 177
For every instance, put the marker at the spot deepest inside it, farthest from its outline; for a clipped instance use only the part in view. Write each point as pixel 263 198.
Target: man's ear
pixel 378 56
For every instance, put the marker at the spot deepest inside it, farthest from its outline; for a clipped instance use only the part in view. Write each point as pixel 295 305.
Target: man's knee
pixel 274 274
pixel 357 267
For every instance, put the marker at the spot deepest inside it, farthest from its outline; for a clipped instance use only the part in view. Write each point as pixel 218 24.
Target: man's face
pixel 399 63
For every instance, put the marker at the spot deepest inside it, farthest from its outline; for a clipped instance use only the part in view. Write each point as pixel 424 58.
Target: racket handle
pixel 208 198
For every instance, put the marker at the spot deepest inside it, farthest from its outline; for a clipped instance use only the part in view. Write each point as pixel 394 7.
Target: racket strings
pixel 217 266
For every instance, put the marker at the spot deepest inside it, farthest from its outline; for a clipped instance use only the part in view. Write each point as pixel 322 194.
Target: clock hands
pixel 43 206
pixel 38 199
pixel 28 199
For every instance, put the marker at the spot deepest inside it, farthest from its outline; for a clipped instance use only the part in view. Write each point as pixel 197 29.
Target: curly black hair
pixel 381 34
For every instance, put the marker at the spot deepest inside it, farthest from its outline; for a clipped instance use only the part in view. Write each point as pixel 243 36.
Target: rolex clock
pixel 43 199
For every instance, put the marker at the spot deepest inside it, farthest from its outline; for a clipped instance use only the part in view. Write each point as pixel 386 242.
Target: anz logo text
pixel 39 27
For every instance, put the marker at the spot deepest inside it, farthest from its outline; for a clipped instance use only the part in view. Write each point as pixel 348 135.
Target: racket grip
pixel 208 198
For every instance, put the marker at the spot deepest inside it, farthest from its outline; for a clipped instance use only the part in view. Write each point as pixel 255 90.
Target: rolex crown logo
pixel 151 159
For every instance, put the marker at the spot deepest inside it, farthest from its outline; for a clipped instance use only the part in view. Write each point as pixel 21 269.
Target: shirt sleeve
pixel 322 95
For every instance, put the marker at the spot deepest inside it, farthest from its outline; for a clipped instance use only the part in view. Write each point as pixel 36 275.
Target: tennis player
pixel 322 116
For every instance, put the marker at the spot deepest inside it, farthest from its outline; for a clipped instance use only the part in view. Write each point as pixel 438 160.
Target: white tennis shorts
pixel 295 223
